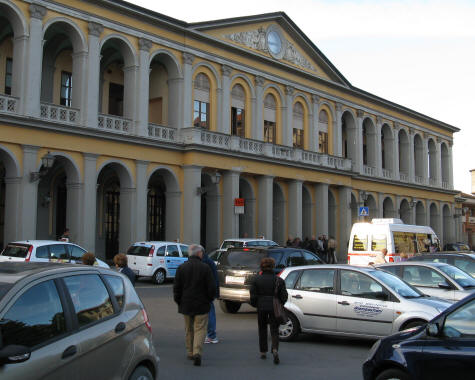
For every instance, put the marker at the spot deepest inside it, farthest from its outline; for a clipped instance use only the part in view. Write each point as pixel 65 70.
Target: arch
pixel 72 169
pixel 122 170
pixel 171 179
pixel 369 142
pixel 388 208
pixel 403 148
pixel 240 108
pixel 125 47
pixel 247 220
pixel 299 123
pixel 239 78
pixel 303 98
pixel 405 211
pixel 278 214
pixel 421 218
pixel 434 218
pixel 72 30
pixel 16 18
pixel 354 208
pixel 348 135
pixel 307 212
pixel 277 95
pixel 372 208
pixel 445 162
pixel 272 86
pixel 330 132
pixel 171 62
pixel 212 97
pixel 12 166
pixel 210 69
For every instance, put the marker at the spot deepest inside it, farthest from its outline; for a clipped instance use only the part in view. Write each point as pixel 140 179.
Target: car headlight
pixel 374 348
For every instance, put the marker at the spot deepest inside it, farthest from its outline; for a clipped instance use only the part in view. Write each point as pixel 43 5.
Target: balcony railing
pixel 8 104
pixel 114 123
pixel 387 173
pixel 403 177
pixel 162 133
pixel 369 170
pixel 432 181
pixel 445 185
pixel 59 114
pixel 418 179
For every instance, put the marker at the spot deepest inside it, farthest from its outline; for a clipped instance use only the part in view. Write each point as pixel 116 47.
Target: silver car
pixel 434 279
pixel 60 321
pixel 352 301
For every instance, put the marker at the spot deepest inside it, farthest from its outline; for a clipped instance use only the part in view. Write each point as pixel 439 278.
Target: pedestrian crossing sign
pixel 364 211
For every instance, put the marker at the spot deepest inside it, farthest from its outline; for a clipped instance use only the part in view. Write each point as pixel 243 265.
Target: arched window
pixel 238 105
pixel 269 119
pixel 297 124
pixel 323 132
pixel 201 105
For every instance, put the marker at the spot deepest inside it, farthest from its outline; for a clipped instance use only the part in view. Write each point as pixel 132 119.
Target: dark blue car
pixel 442 349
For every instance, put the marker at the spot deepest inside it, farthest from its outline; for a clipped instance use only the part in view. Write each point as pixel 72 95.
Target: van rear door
pixel 139 257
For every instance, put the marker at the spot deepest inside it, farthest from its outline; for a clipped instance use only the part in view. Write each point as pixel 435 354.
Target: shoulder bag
pixel 279 311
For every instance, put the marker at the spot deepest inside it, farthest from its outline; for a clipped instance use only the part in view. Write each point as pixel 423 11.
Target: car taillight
pixel 28 255
pixel 391 259
pixel 146 320
pixel 246 249
pixel 349 257
pixel 150 253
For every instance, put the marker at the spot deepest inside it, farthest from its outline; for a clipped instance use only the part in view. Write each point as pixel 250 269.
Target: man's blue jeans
pixel 212 322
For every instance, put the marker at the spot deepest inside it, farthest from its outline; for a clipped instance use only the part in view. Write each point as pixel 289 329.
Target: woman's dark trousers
pixel 264 318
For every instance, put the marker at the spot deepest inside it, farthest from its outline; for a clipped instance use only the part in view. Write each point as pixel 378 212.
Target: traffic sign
pixel 364 211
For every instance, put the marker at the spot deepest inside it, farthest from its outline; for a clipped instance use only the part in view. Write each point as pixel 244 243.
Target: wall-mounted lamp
pixel 363 196
pixel 412 203
pixel 47 162
pixel 215 178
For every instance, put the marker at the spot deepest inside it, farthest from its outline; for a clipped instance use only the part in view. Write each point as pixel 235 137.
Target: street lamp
pixel 47 162
pixel 214 180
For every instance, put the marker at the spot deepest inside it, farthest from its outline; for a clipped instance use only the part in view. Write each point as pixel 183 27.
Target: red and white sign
pixel 239 205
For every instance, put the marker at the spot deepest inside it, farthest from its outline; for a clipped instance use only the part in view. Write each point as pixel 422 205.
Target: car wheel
pixel 229 306
pixel 159 276
pixel 290 330
pixel 141 373
pixel 412 324
pixel 393 374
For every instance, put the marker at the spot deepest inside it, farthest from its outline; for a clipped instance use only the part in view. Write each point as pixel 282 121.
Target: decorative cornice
pixel 259 81
pixel 95 29
pixel 37 11
pixel 188 58
pixel 289 90
pixel 144 44
pixel 226 70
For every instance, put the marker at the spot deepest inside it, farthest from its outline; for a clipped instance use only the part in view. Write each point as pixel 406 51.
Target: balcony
pixel 419 180
pixel 59 114
pixel 8 104
pixel 387 173
pixel 115 123
pixel 403 177
pixel 369 170
pixel 162 133
pixel 445 185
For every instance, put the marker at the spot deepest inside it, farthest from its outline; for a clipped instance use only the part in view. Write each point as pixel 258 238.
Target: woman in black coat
pixel 262 293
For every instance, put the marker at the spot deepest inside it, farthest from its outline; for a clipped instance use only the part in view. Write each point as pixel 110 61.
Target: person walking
pixel 193 290
pixel 263 289
pixel 120 261
pixel 65 236
pixel 211 335
pixel 332 251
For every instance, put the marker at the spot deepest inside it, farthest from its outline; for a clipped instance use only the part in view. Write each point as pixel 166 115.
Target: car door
pixel 314 295
pixel 172 259
pixel 363 305
pixel 427 280
pixel 451 354
pixel 38 319
pixel 102 328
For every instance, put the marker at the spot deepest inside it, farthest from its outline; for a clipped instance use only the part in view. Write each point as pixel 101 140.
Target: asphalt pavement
pixel 236 356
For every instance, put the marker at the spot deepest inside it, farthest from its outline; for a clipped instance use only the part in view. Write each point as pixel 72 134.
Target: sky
pixel 416 53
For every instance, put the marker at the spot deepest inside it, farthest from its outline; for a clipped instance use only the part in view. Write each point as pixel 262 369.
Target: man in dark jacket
pixel 193 291
pixel 211 335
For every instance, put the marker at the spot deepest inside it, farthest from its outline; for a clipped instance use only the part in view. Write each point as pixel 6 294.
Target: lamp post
pixel 47 162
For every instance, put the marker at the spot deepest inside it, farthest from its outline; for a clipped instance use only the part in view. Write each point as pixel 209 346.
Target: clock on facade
pixel 275 42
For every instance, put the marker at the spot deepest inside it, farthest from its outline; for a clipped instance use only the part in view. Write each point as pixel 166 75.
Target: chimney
pixel 472 172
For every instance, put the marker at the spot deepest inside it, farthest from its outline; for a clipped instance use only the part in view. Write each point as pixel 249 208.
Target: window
pixel 319 280
pixel 298 138
pixel 172 251
pixel 8 76
pixel 237 122
pixel 277 256
pixel 90 298
pixel 117 286
pixel 35 318
pixel 116 99
pixel 42 252
pixel 184 250
pixel 201 105
pixel 466 265
pixel 58 252
pixel 422 276
pixel 269 131
pixel 161 250
pixel 291 278
pixel 405 242
pixel 76 252
pixel 323 132
pixel 297 124
pixel 201 114
pixel 323 142
pixel 293 259
pixel 365 146
pixel 66 88
pixel 378 242
pixel 360 243
pixel 137 250
pixel 359 285
pixel 310 258
pixel 459 323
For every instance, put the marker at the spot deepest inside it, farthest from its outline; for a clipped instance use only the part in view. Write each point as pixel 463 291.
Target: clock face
pixel 274 42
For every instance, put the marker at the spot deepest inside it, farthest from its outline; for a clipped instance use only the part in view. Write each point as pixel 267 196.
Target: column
pixel 412 210
pixel 358 141
pixel 265 205
pixel 188 96
pixel 397 207
pixel 287 131
pixel 79 94
pixel 191 203
pixel 344 212
pixel 380 205
pixel 425 163
pixel 230 192
pixel 412 167
pixel 395 152
pixel 295 208
pixel 73 210
pixel 90 113
pixel 12 207
pixel 29 193
pixel 451 166
pixel 89 200
pixel 379 152
pixel 143 88
pixel 130 88
pixel 438 163
pixel 19 74
pixel 258 107
pixel 337 131
pixel 175 96
pixel 173 215
pixel 141 200
pixel 34 62
pixel 127 218
pixel 321 208
pixel 225 126
pixel 313 121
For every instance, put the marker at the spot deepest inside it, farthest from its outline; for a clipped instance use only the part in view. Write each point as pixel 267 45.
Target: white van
pixel 156 259
pixel 368 238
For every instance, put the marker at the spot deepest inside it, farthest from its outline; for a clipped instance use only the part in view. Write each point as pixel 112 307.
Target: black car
pixel 464 261
pixel 443 349
pixel 458 247
pixel 238 266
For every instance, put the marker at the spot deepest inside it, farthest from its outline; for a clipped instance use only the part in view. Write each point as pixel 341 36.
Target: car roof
pixel 39 242
pixel 155 242
pixel 421 263
pixel 332 266
pixel 245 240
pixel 442 254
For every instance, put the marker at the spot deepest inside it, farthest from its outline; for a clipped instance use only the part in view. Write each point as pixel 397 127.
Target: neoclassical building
pixel 127 125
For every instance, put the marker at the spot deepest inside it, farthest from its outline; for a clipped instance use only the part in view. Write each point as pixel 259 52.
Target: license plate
pixel 235 280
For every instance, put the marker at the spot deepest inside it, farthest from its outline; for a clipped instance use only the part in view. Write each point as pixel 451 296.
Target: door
pixel 361 308
pixel 138 258
pixel 173 259
pixel 427 280
pixel 37 320
pixel 314 295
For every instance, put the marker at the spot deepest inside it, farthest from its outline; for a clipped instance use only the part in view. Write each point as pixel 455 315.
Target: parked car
pixel 434 279
pixel 238 266
pixel 444 349
pixel 463 261
pixel 241 243
pixel 157 260
pixel 458 247
pixel 215 255
pixel 61 321
pixel 352 301
pixel 45 251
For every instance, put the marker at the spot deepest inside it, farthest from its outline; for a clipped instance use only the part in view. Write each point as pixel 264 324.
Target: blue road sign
pixel 364 211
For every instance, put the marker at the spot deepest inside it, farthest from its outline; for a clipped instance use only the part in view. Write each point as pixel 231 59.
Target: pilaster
pixel 265 205
pixel 287 131
pixel 295 208
pixel 140 208
pixel 258 118
pixel 225 126
pixel 230 192
pixel 90 113
pixel 188 92
pixel 141 116
pixel 321 208
pixel 314 125
pixel 29 193
pixel 89 199
pixel 191 204
pixel 337 132
pixel 344 211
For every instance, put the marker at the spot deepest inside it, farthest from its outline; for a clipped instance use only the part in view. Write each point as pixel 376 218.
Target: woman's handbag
pixel 279 311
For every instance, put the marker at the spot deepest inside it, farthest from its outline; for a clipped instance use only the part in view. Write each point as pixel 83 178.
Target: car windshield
pixel 232 244
pixel 395 283
pixel 459 276
pixel 14 250
pixel 248 259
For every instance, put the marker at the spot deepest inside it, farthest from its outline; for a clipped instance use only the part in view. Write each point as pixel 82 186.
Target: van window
pixel 184 250
pixel 404 242
pixel 360 243
pixel 378 242
pixel 161 250
pixel 138 250
pixel 423 242
pixel 42 252
pixel 172 251
pixel 16 251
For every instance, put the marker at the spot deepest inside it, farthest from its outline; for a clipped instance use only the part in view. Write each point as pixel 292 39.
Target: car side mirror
pixel 14 354
pixel 432 329
pixel 444 285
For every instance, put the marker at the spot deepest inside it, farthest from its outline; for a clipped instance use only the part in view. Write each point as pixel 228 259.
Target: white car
pixel 158 260
pixel 45 251
pixel 352 301
pixel 241 243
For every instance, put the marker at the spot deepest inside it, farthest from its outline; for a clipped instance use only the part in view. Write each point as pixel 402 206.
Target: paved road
pixel 236 357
